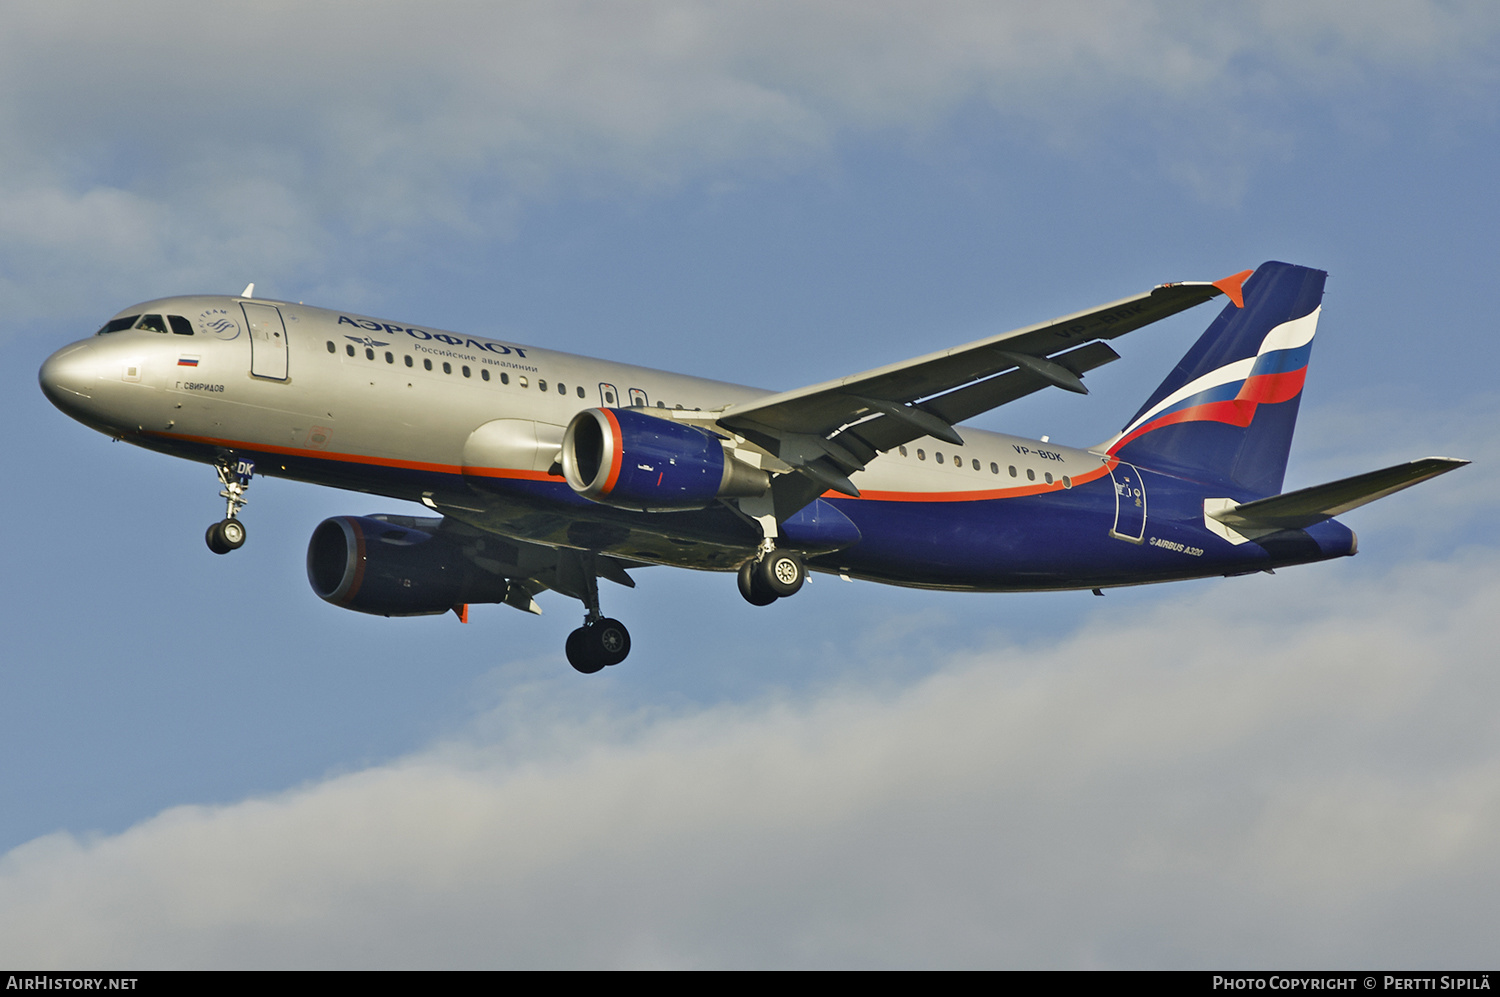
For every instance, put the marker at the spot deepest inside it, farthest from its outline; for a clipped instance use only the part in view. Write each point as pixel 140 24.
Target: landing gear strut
pixel 773 574
pixel 601 641
pixel 229 533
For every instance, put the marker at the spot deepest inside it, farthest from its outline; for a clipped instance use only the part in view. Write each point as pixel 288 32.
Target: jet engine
pixel 372 566
pixel 631 460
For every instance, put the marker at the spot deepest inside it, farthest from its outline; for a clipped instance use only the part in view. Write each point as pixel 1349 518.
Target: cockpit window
pixel 117 324
pixel 180 325
pixel 152 323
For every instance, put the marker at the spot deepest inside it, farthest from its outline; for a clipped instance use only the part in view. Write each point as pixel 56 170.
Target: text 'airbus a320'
pixel 551 471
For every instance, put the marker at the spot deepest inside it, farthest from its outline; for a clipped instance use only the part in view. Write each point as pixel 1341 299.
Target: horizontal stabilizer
pixel 1304 507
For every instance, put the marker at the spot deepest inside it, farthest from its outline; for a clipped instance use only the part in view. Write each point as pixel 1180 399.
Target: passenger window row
pixel 958 461
pixel 464 369
pixel 484 374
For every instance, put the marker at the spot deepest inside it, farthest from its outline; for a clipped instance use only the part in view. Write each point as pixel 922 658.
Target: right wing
pixel 828 431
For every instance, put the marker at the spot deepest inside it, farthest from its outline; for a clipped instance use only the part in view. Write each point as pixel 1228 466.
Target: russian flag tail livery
pixel 1225 414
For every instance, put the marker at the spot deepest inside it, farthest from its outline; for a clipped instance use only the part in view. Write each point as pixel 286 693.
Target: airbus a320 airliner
pixel 552 471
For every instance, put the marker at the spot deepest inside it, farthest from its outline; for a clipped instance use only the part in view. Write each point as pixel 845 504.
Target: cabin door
pixel 267 340
pixel 1130 503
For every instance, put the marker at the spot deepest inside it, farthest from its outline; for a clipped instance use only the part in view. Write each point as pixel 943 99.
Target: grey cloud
pixel 330 122
pixel 115 241
pixel 1292 771
pixel 1336 441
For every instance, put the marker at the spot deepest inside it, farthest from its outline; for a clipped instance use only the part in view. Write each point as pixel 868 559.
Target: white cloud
pixel 1292 771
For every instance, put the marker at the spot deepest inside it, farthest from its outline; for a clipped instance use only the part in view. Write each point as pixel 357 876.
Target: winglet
pixel 1231 286
pixel 462 612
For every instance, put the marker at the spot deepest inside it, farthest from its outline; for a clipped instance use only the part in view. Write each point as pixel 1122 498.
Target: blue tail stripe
pixel 1282 361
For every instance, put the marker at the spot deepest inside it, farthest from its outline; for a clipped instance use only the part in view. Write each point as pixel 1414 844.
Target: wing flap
pixel 969 401
pixel 890 430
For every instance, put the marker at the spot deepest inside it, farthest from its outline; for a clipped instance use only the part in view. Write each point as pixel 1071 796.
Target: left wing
pixel 828 431
pixel 528 568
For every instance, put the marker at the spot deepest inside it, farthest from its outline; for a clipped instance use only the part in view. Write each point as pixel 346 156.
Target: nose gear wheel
pixel 225 536
pixel 229 533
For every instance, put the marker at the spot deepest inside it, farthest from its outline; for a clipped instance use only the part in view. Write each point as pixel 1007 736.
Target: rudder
pixel 1227 411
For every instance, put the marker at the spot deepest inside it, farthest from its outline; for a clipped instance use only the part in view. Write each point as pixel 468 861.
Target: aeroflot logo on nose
pixel 440 337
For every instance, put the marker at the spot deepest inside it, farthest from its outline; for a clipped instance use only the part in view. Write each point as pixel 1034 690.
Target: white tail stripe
pixel 1290 335
pixel 1286 336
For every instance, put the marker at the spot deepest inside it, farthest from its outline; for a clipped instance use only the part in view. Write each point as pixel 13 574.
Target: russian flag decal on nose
pixel 187 361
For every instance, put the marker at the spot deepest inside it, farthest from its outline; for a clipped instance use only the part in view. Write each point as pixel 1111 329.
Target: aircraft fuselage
pixel 471 426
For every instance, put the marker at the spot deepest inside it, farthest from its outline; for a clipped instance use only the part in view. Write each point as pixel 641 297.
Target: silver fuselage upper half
pixel 299 381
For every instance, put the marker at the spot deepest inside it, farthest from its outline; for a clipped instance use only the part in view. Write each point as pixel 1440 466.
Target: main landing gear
pixel 601 641
pixel 598 644
pixel 775 574
pixel 229 533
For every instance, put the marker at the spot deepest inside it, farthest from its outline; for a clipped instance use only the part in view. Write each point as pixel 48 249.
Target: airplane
pixel 551 471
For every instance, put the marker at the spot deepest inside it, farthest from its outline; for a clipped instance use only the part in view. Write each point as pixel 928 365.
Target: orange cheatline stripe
pixel 516 474
pixel 348 458
pixel 970 496
pixel 471 471
pixel 411 465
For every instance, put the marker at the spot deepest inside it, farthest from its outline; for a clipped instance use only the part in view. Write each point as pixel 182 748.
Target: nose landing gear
pixel 229 533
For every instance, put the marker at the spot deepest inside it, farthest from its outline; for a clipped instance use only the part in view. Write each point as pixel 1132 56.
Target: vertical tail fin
pixel 1226 412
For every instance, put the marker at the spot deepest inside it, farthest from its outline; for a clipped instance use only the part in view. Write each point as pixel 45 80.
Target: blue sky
pixel 203 765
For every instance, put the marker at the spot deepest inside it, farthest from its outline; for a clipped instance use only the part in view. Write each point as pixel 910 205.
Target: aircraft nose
pixel 67 377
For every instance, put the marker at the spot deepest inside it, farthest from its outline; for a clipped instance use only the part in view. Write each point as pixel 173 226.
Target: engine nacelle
pixel 625 458
pixel 372 566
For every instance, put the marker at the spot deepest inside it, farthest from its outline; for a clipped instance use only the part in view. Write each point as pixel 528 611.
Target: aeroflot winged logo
pixel 1232 393
pixel 366 341
pixel 489 346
